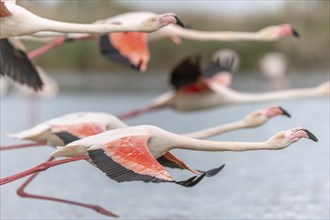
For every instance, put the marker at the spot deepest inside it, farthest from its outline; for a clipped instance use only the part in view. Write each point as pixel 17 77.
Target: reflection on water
pixel 287 184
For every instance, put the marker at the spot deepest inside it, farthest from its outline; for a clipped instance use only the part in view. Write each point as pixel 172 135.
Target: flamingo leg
pixel 20 191
pixel 138 112
pixel 41 50
pixel 18 146
pixel 56 43
pixel 40 167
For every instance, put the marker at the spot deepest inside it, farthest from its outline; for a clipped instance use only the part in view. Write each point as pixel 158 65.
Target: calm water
pixel 289 184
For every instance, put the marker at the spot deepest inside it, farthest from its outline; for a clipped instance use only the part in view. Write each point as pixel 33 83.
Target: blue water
pixel 288 184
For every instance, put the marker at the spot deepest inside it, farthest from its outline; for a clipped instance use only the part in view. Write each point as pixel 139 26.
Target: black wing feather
pixel 186 72
pixel 67 137
pixel 112 53
pixel 16 64
pixel 116 171
pixel 223 65
pixel 167 163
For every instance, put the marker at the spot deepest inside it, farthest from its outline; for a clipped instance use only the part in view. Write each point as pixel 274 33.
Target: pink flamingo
pixel 133 154
pixel 12 17
pixel 64 129
pixel 131 48
pixel 193 90
pixel 16 21
pixel 70 127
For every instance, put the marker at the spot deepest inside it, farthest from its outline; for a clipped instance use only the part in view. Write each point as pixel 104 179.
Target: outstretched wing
pixel 108 50
pixel 16 64
pixel 128 48
pixel 172 161
pixel 187 72
pixel 66 137
pixel 220 65
pixel 79 130
pixel 129 159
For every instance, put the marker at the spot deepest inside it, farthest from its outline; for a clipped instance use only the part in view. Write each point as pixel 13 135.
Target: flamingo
pixel 16 21
pixel 64 129
pixel 70 127
pixel 274 67
pixel 131 48
pixel 195 91
pixel 141 153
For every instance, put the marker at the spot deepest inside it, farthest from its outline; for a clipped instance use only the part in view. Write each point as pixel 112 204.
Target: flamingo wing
pixel 128 48
pixel 172 161
pixel 66 137
pixel 16 64
pixel 217 66
pixel 108 50
pixel 129 159
pixel 79 130
pixel 186 73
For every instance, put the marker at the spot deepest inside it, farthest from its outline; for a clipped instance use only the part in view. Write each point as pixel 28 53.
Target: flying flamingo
pixel 70 127
pixel 193 91
pixel 16 21
pixel 131 48
pixel 274 68
pixel 133 154
pixel 64 129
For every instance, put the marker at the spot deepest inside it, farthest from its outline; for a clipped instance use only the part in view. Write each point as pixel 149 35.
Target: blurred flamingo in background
pixel 274 67
pixel 16 21
pixel 131 48
pixel 196 90
pixel 140 153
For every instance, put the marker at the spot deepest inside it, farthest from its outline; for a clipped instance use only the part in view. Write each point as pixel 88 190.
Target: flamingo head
pixel 170 18
pixel 285 138
pixel 276 32
pixel 156 22
pixel 261 116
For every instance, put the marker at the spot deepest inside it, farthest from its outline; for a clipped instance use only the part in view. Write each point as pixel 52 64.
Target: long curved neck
pixel 207 35
pixel 206 133
pixel 64 27
pixel 186 143
pixel 233 97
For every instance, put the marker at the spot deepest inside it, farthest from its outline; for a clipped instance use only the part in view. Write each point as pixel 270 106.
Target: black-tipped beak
pixel 295 33
pixel 179 22
pixel 284 112
pixel 311 136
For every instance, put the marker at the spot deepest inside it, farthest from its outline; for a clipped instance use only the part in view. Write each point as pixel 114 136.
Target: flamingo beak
pixel 284 112
pixel 311 136
pixel 295 32
pixel 179 22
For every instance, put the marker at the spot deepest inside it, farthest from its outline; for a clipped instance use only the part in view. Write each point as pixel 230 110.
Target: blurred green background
pixel 310 18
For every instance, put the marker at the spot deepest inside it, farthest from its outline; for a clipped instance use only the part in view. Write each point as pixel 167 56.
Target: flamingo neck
pixel 206 133
pixel 64 27
pixel 187 143
pixel 191 34
pixel 233 97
